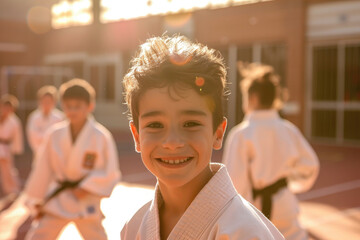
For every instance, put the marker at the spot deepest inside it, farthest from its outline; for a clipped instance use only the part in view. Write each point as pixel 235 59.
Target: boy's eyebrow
pixel 185 112
pixel 194 112
pixel 151 114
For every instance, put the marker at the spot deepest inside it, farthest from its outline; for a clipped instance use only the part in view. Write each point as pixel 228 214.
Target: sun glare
pixel 71 13
pixel 115 10
pixel 68 13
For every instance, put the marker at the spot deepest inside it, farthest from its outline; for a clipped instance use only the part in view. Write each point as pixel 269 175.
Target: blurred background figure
pixel 268 158
pixel 43 117
pixel 11 143
pixel 76 166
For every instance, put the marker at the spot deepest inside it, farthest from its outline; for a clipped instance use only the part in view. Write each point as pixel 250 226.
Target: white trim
pixel 256 52
pixel 308 92
pixel 65 57
pixel 340 93
pixel 232 77
pixel 12 47
pixel 334 105
pixel 326 191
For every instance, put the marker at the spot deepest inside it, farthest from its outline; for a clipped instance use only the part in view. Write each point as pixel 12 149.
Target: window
pixel 324 82
pixel 352 73
pixel 102 78
pixel 335 92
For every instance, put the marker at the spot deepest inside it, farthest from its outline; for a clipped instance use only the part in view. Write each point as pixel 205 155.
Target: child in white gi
pixel 75 167
pixel 43 117
pixel 174 92
pixel 268 158
pixel 11 143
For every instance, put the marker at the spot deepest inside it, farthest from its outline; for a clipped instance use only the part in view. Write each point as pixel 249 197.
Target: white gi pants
pixel 49 227
pixel 9 176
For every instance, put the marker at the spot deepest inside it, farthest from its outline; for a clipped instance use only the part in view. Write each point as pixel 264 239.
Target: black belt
pixel 63 185
pixel 267 193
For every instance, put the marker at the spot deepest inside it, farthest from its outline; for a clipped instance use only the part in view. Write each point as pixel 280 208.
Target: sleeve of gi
pixel 41 174
pixel 236 160
pixel 306 168
pixel 17 143
pixel 33 134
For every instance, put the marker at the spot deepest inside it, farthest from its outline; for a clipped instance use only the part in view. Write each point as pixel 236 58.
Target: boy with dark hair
pixel 75 167
pixel 174 92
pixel 267 157
pixel 43 117
pixel 11 142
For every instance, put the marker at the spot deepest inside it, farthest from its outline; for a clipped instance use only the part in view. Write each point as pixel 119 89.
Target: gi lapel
pixel 205 207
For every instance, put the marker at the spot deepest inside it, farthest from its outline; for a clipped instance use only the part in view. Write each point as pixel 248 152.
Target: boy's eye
pixel 155 125
pixel 191 124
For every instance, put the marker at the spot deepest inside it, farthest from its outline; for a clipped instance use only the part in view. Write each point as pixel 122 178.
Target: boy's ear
pixel 219 134
pixel 135 135
pixel 91 106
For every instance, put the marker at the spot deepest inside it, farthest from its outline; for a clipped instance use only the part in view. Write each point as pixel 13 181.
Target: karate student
pixel 76 166
pixel 268 158
pixel 174 93
pixel 43 117
pixel 11 143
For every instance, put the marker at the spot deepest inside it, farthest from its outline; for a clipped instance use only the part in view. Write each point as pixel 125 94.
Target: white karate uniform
pixel 10 130
pixel 263 149
pixel 37 125
pixel 92 155
pixel 217 212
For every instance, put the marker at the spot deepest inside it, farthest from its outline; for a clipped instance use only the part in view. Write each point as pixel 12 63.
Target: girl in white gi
pixel 43 117
pixel 75 167
pixel 267 157
pixel 11 143
pixel 174 93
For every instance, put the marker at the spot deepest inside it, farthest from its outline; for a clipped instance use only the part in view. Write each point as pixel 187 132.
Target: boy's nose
pixel 173 140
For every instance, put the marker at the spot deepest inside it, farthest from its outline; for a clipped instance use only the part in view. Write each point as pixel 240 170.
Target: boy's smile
pixel 175 135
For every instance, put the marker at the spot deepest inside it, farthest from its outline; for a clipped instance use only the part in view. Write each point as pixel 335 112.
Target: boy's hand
pixel 80 193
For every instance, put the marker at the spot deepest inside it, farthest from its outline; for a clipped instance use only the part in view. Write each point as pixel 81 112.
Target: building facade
pixel 313 44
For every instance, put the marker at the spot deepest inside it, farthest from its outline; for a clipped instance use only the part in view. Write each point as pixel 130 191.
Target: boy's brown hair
pixel 47 90
pixel 10 100
pixel 261 79
pixel 77 89
pixel 178 63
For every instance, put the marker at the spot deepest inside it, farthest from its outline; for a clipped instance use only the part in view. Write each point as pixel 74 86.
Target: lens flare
pixel 39 19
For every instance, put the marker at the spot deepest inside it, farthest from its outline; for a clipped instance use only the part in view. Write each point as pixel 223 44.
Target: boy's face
pixel 46 103
pixel 175 135
pixel 6 109
pixel 76 110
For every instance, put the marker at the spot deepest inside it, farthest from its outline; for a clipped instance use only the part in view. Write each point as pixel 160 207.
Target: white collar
pixel 202 211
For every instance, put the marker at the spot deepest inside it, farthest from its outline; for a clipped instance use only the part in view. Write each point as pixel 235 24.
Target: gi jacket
pixel 217 212
pixel 38 124
pixel 93 155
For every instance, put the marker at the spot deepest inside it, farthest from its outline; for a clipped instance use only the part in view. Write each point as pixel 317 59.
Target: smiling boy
pixel 174 92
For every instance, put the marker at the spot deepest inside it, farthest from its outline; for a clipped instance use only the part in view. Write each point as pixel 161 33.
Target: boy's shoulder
pixel 57 113
pixel 100 129
pixel 35 113
pixel 58 127
pixel 240 218
pixel 131 227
